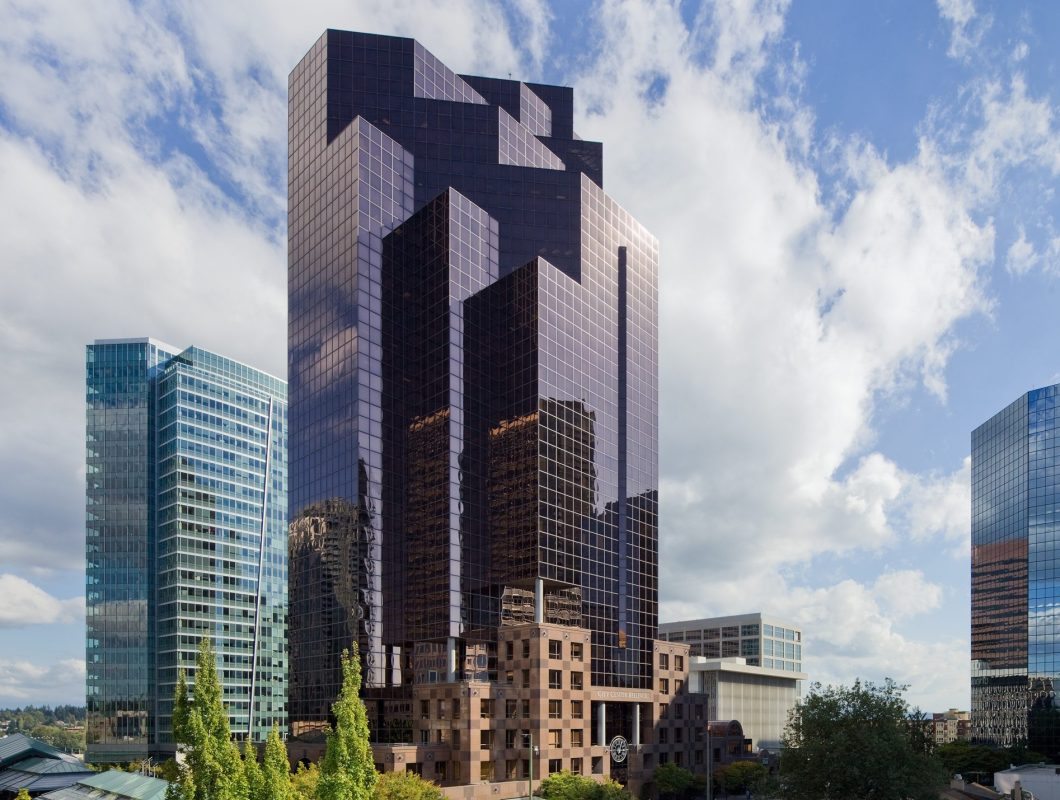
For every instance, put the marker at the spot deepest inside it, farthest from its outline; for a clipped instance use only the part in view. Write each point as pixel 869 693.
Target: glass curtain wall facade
pixel 186 538
pixel 1015 589
pixel 473 368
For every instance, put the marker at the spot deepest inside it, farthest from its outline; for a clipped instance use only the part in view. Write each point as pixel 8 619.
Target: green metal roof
pixel 127 785
pixel 48 766
pixel 18 746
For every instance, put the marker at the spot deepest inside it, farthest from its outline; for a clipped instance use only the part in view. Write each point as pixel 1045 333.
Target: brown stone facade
pixel 473 737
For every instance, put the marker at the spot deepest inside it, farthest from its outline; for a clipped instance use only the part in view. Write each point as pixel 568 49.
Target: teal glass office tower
pixel 185 538
pixel 1016 575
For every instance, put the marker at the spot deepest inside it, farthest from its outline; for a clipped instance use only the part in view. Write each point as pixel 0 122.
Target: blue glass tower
pixel 1016 574
pixel 186 537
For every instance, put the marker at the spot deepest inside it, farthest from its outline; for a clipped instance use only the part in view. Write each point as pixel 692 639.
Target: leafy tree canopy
pixel 741 776
pixel 673 781
pixel 212 769
pixel 568 786
pixel 304 782
pixel 406 786
pixel 843 742
pixel 348 771
pixel 276 770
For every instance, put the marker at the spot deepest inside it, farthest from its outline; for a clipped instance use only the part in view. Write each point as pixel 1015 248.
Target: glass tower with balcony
pixel 186 538
pixel 1015 620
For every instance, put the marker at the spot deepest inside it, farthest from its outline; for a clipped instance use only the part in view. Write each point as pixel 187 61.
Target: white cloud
pixel 27 604
pixel 784 320
pixel 905 593
pixel 112 230
pixel 789 312
pixel 1016 130
pixel 967 28
pixel 851 631
pixel 940 506
pixel 787 319
pixel 1021 257
pixel 25 682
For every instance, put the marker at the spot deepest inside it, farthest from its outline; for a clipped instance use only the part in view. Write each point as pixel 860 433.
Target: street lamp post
pixel 530 761
pixel 710 757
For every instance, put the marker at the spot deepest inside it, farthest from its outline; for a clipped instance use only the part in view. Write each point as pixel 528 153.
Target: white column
pixel 636 724
pixel 539 600
pixel 601 724
pixel 450 660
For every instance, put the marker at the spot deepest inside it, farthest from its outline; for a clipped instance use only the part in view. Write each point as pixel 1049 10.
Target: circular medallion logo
pixel 619 749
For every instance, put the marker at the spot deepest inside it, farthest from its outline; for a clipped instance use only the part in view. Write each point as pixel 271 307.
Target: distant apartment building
pixel 951 726
pixel 760 639
pixel 185 538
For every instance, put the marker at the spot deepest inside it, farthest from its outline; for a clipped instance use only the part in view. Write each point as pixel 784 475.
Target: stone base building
pixel 473 737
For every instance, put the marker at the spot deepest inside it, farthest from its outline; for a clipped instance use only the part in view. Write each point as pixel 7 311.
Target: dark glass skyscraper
pixel 473 376
pixel 186 537
pixel 1015 586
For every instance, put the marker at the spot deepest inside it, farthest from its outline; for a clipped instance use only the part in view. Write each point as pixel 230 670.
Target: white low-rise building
pixel 1041 780
pixel 759 697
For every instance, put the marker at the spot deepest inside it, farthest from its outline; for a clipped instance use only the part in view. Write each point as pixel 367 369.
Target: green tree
pixel 23 794
pixel 741 776
pixel 406 786
pixel 611 790
pixel 180 707
pixel 169 770
pixel 975 762
pixel 348 772
pixel 672 781
pixel 252 769
pixel 568 786
pixel 69 741
pixel 304 782
pixel 843 742
pixel 212 769
pixel 276 770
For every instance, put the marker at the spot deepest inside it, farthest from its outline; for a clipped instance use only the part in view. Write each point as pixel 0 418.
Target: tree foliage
pixel 212 769
pixel 741 776
pixel 276 770
pixel 61 738
pixel 24 719
pixel 23 794
pixel 348 772
pixel 975 762
pixel 843 742
pixel 672 781
pixel 406 786
pixel 252 769
pixel 568 786
pixel 304 782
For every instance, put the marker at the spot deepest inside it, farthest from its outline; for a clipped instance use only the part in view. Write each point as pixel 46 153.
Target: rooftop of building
pixel 29 763
pixel 737 664
pixel 113 785
pixel 195 356
pixel 734 619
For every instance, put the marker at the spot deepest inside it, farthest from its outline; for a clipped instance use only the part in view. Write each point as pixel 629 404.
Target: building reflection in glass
pixel 1015 592
pixel 473 370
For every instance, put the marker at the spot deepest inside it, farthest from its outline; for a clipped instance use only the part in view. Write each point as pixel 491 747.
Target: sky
pixel 860 260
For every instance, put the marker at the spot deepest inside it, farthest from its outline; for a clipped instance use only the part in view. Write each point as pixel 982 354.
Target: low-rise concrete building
pixel 1041 780
pixel 759 697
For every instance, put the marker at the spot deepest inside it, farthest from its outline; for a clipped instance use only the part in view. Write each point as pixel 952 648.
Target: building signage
pixel 619 695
